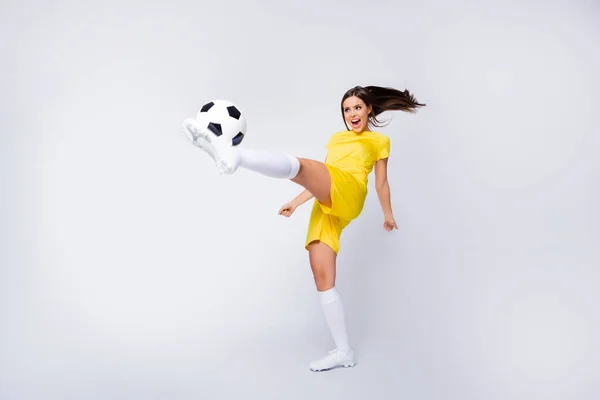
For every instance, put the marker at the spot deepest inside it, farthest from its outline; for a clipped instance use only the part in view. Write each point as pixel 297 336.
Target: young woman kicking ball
pixel 338 185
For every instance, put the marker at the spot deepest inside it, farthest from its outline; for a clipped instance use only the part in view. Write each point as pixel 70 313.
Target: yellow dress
pixel 350 159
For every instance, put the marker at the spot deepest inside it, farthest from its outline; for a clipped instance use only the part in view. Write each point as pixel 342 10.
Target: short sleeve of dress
pixel 331 142
pixel 384 148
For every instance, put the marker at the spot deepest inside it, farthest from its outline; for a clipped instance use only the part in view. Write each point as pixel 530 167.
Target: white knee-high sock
pixel 269 163
pixel 334 314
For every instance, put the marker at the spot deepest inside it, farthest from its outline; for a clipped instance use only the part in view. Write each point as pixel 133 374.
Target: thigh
pixel 314 177
pixel 322 262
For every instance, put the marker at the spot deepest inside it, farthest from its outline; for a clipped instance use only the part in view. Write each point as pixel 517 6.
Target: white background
pixel 130 269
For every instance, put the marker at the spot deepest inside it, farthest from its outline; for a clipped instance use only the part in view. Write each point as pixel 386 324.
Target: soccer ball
pixel 222 117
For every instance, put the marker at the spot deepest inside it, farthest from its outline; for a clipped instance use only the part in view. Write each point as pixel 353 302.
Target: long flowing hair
pixel 382 99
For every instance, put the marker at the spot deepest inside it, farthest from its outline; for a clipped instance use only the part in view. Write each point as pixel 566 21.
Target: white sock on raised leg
pixel 269 163
pixel 228 158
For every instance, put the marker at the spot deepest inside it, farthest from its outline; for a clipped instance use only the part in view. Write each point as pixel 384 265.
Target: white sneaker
pixel 334 359
pixel 218 147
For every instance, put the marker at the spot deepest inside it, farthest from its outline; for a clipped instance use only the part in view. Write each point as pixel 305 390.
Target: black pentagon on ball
pixel 207 107
pixel 215 128
pixel 234 112
pixel 237 139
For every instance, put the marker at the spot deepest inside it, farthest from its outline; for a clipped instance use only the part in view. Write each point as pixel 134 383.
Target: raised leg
pixel 314 177
pixel 311 174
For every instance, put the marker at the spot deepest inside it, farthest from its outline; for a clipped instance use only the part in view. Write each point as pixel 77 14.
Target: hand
pixel 288 209
pixel 389 223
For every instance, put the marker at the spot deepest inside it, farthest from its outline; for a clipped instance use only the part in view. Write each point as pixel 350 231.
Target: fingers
pixel 286 211
pixel 389 226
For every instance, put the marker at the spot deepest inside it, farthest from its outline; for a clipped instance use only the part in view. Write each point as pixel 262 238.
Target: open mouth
pixel 355 122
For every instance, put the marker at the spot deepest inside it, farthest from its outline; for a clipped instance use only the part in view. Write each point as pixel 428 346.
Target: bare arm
pixel 382 186
pixel 383 192
pixel 302 198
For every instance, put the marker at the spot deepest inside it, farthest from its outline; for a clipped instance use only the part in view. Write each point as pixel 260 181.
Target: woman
pixel 339 186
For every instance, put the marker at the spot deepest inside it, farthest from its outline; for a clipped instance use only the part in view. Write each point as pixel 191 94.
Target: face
pixel 356 114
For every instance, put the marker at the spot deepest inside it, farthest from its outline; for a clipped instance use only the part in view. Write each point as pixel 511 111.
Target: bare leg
pixel 323 264
pixel 314 177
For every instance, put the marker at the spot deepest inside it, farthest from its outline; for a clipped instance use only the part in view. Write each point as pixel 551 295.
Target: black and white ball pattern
pixel 223 118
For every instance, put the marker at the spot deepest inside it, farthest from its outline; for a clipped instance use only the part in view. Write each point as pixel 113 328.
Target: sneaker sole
pixel 346 365
pixel 201 140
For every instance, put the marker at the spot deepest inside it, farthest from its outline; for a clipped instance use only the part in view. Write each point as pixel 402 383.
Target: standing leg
pixel 323 264
pixel 311 174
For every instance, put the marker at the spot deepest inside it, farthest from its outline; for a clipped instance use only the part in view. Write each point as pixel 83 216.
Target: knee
pixel 301 167
pixel 324 280
pixel 322 263
pixel 304 166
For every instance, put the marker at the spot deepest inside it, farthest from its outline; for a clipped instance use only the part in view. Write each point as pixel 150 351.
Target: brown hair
pixel 382 99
